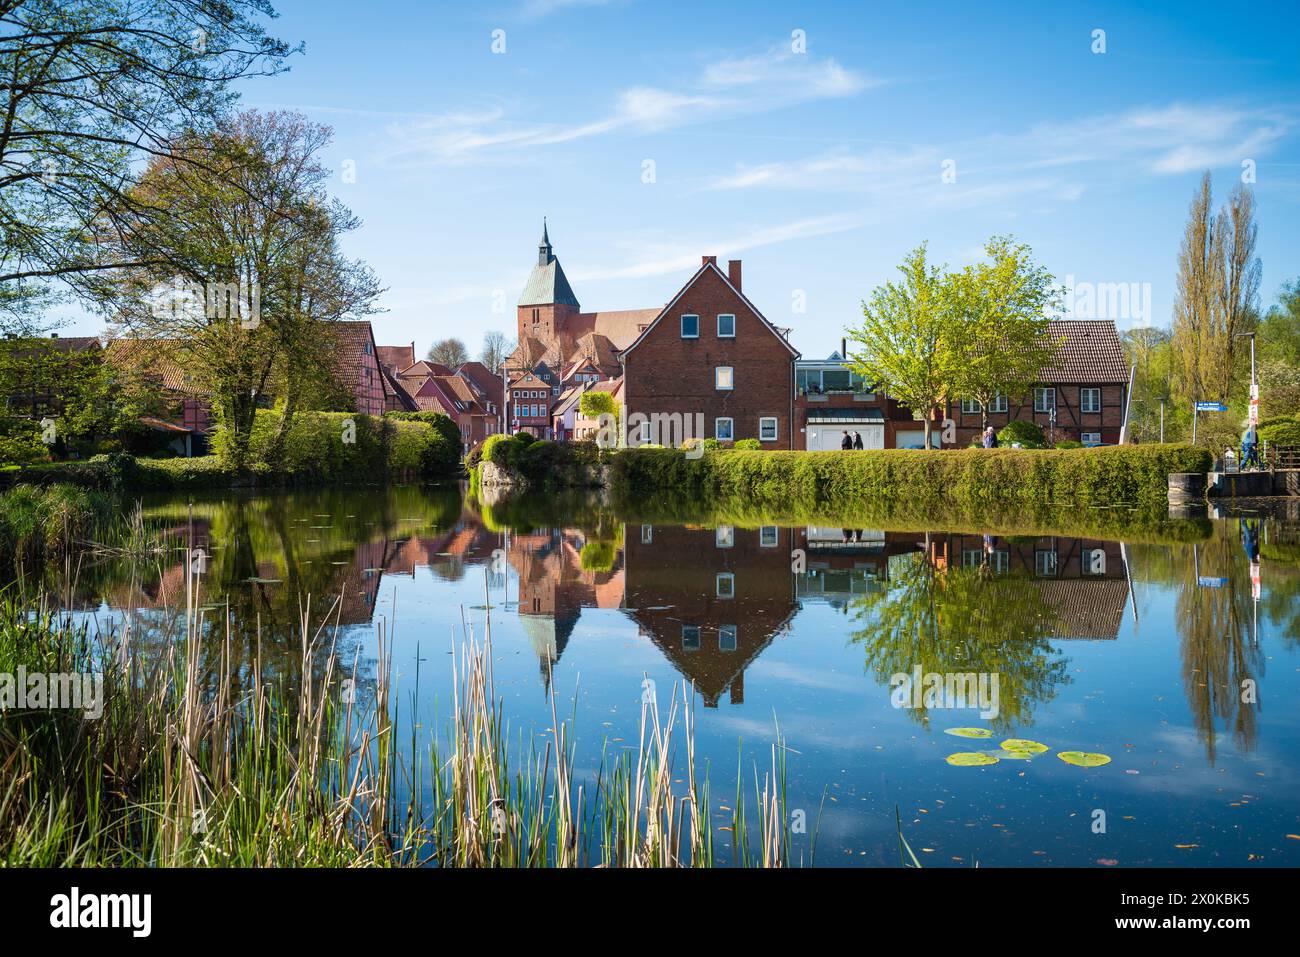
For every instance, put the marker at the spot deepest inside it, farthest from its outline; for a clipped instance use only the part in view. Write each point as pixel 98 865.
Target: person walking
pixel 846 442
pixel 990 439
pixel 857 440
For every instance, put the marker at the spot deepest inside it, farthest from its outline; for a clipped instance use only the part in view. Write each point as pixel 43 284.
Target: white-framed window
pixel 726 637
pixel 972 557
pixel 1044 398
pixel 1001 561
pixel 1090 438
pixel 726 326
pixel 725 585
pixel 1045 562
pixel 643 433
pixel 767 428
pixel 690 637
pixel 769 536
pixel 647 534
pixel 690 327
pixel 999 404
pixel 723 377
pixel 722 430
pixel 1089 400
pixel 970 407
pixel 725 536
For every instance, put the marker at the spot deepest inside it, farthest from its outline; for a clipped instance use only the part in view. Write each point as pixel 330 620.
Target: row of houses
pixel 706 364
pixel 710 363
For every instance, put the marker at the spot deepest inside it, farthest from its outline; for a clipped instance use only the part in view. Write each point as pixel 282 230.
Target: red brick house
pixel 711 353
pixel 357 367
pixel 1081 396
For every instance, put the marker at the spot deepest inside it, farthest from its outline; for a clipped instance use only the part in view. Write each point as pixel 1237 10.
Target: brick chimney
pixel 706 260
pixel 733 272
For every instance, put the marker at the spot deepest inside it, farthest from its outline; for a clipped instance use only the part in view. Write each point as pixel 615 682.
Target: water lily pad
pixel 1019 755
pixel 1084 759
pixel 971 759
pixel 1023 744
pixel 969 732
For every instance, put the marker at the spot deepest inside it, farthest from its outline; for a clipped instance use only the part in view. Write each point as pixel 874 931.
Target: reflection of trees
pixel 958 620
pixel 1214 628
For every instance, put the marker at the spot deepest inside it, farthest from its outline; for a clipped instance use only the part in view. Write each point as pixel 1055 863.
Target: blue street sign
pixel 1205 582
pixel 1211 407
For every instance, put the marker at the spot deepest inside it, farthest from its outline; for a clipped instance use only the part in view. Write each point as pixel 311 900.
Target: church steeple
pixel 544 252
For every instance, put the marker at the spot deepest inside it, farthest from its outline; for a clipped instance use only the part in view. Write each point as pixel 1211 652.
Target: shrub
pixel 1068 444
pixel 592 405
pixel 748 444
pixel 442 457
pixel 597 556
pixel 1028 434
pixel 1283 432
pixel 525 438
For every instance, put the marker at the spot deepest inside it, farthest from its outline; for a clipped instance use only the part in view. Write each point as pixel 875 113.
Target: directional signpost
pixel 1199 407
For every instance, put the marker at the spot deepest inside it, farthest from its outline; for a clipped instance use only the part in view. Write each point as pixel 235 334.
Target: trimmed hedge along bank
pixel 398 446
pixel 1116 475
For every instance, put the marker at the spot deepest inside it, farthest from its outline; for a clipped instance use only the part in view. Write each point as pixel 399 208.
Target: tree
pixel 1279 354
pixel 496 349
pixel 246 274
pixel 89 88
pixel 448 352
pixel 906 341
pixel 1218 291
pixel 1003 309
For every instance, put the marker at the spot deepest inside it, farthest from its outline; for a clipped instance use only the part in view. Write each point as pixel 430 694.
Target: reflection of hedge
pixel 597 557
pixel 1006 478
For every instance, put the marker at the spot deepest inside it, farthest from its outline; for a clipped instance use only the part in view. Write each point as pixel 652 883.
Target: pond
pixel 1174 654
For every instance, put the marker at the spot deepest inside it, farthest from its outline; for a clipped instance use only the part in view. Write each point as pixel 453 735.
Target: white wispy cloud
pixel 1056 161
pixel 727 87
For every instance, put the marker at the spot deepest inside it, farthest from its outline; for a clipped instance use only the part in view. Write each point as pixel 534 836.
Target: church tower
pixel 547 302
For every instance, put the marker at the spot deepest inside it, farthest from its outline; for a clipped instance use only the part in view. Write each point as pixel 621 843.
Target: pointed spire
pixel 544 253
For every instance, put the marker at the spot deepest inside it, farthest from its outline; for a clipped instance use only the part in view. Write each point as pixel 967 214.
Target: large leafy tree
pixel 265 236
pixel 448 352
pixel 1003 308
pixel 907 341
pixel 90 87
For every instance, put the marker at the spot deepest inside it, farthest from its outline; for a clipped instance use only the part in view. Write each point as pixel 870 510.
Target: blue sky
pixel 819 169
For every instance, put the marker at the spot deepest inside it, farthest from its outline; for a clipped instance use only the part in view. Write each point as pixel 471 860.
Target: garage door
pixel 826 437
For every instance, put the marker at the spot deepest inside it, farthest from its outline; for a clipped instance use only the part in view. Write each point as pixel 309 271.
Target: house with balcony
pixel 830 399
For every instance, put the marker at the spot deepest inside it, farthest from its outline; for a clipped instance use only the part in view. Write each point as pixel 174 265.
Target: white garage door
pixel 826 437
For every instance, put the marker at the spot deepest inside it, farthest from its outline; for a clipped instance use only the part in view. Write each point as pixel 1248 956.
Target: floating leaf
pixel 1023 744
pixel 1083 759
pixel 1019 755
pixel 969 732
pixel 970 759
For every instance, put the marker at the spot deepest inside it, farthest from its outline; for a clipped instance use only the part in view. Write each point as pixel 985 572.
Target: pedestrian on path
pixel 857 440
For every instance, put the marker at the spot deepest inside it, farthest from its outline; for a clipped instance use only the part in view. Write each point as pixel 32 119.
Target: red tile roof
pixel 1089 351
pixel 396 358
pixel 483 377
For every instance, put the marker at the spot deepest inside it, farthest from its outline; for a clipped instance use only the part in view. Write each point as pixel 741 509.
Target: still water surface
pixel 1178 660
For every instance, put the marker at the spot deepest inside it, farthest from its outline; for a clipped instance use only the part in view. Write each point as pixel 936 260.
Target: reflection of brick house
pixel 710 599
pixel 711 353
pixel 1083 581
pixel 1086 386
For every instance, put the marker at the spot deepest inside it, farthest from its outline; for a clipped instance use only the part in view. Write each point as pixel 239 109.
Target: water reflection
pixel 712 598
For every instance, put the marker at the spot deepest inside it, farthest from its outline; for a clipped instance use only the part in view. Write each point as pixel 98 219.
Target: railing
pixel 1281 456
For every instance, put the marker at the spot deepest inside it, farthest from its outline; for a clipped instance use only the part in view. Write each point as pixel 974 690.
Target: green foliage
pixel 748 445
pixel 1028 434
pixel 37 523
pixel 1068 444
pixel 967 478
pixel 594 404
pixel 1285 432
pixel 598 556
pixel 442 455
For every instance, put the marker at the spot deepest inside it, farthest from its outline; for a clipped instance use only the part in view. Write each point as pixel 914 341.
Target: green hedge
pixel 1115 475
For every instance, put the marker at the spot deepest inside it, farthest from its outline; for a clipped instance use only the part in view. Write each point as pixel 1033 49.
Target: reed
pixel 199 760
